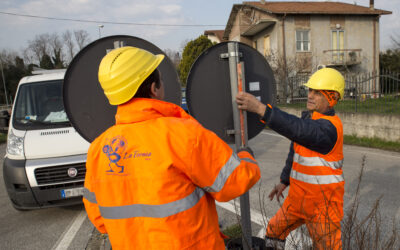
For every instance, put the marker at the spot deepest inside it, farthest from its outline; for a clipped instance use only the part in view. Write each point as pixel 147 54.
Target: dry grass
pixel 366 233
pixel 358 233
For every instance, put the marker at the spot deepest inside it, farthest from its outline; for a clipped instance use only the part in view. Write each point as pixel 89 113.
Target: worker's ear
pixel 337 96
pixel 153 89
pixel 156 93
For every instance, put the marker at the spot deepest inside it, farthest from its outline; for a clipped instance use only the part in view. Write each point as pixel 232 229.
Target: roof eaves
pixel 325 13
pixel 231 19
pixel 261 9
pixel 373 12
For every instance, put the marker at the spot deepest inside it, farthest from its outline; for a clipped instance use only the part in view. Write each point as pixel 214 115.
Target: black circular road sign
pixel 208 91
pixel 85 103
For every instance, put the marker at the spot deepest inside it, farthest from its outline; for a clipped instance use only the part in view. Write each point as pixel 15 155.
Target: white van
pixel 45 160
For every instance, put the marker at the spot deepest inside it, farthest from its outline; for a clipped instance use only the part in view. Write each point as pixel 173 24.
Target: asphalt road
pixel 69 228
pixel 52 228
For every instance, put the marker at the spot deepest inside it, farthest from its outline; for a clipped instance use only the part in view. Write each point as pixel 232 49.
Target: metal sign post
pixel 213 83
pixel 239 120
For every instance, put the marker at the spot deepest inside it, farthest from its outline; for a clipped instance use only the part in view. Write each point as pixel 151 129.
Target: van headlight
pixel 15 144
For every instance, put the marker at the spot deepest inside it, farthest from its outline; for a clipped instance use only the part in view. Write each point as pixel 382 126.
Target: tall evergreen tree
pixel 192 50
pixel 390 60
pixel 57 60
pixel 46 63
pixel 13 70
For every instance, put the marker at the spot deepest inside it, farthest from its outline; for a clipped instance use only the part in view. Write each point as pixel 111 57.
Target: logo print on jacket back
pixel 114 149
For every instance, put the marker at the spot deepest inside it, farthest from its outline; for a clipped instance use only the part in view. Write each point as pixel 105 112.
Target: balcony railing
pixel 342 57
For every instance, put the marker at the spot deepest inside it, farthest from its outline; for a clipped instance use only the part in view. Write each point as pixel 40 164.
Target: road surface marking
pixel 69 234
pixel 255 216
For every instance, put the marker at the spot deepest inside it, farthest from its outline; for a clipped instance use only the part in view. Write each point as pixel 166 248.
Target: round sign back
pixel 208 89
pixel 85 103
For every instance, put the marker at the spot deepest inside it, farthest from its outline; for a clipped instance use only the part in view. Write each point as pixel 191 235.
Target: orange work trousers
pixel 325 234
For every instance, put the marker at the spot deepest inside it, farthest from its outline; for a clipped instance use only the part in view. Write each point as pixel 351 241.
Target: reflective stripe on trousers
pixel 316 179
pixel 167 209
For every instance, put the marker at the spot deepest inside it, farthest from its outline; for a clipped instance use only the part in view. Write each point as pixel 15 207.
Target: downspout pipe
pixel 374 71
pixel 284 56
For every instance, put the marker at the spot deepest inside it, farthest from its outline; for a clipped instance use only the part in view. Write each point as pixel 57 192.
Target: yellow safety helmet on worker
pixel 327 79
pixel 123 70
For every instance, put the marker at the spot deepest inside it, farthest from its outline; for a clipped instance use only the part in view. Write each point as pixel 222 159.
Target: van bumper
pixel 23 197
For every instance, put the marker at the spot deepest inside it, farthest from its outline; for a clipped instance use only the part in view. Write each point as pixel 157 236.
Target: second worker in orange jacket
pixel 313 166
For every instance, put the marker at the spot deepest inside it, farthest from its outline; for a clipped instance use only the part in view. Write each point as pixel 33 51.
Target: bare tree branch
pixel 174 56
pixel 396 41
pixel 28 56
pixel 40 46
pixel 81 38
pixel 69 44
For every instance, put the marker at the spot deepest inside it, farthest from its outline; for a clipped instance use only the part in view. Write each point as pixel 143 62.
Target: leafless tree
pixel 28 56
pixel 174 56
pixel 40 46
pixel 396 40
pixel 56 45
pixel 69 44
pixel 7 57
pixel 81 38
pixel 284 68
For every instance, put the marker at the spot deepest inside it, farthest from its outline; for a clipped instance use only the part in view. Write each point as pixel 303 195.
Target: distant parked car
pixel 184 104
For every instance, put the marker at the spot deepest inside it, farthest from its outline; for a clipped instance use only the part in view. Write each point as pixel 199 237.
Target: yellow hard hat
pixel 327 79
pixel 123 70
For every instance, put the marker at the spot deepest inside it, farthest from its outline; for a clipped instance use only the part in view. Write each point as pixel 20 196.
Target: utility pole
pixel 100 26
pixel 4 81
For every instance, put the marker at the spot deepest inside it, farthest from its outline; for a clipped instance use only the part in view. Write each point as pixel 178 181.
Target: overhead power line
pixel 108 22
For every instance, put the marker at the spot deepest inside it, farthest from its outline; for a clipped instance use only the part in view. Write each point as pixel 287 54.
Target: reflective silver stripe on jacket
pixel 152 211
pixel 317 161
pixel 90 196
pixel 249 160
pixel 316 179
pixel 224 174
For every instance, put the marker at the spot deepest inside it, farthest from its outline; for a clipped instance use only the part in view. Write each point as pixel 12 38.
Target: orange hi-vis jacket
pixel 316 180
pixel 153 178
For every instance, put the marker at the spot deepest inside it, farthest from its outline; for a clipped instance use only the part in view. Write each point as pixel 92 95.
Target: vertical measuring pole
pixel 236 71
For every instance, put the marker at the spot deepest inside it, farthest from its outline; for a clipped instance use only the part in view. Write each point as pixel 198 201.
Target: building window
pixel 302 40
pixel 267 46
pixel 338 45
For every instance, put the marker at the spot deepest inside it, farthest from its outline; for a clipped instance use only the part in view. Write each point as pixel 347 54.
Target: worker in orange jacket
pixel 152 179
pixel 313 166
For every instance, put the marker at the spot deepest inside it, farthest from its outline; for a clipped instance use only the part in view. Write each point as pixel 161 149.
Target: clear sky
pixel 16 31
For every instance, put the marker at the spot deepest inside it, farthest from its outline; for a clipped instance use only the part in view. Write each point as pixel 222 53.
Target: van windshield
pixel 40 105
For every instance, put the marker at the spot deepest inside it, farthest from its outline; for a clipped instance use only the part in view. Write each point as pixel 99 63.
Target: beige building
pixel 299 37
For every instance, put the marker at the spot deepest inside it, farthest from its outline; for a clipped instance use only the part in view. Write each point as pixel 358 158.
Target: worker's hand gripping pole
pixel 236 70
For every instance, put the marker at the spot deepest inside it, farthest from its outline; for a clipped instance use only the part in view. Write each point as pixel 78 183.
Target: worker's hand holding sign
pixel 250 103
